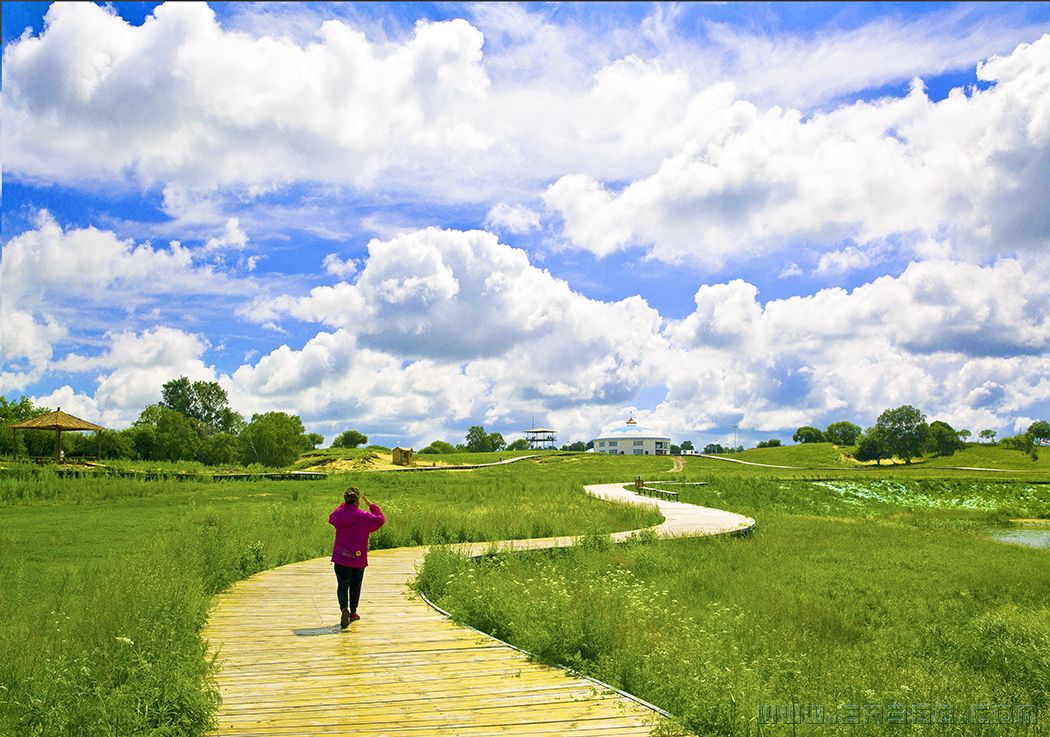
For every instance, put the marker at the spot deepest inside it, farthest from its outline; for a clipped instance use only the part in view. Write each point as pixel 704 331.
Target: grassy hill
pixel 829 456
pixel 809 455
pixel 993 456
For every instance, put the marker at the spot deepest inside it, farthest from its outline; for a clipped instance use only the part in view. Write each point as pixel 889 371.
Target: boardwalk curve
pixel 406 669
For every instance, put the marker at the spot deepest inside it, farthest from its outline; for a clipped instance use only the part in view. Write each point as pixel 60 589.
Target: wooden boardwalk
pixel 405 669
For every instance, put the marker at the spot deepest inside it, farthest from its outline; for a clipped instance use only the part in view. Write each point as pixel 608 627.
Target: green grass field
pixel 867 590
pixel 105 582
pixel 825 456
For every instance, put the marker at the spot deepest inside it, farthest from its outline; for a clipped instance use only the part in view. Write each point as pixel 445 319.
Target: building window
pixel 639 451
pixel 638 442
pixel 612 443
pixel 601 443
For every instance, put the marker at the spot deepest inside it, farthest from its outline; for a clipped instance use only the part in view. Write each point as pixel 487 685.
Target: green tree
pixel 904 430
pixel 519 444
pixel 496 441
pixel 676 450
pixel 20 442
pixel 349 439
pixel 313 440
pixel 274 439
pixel 842 433
pixel 220 449
pixel 579 446
pixel 808 434
pixel 109 444
pixel 687 445
pixel 771 443
pixel 204 401
pixel 711 448
pixel 963 435
pixel 164 434
pixel 1039 430
pixel 941 439
pixel 478 441
pixel 872 446
pixel 988 435
pixel 438 447
pixel 1024 443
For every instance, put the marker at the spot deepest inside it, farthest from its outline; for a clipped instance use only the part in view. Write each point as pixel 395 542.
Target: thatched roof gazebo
pixel 60 422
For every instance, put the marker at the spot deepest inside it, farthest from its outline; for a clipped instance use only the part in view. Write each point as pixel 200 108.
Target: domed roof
pixel 632 431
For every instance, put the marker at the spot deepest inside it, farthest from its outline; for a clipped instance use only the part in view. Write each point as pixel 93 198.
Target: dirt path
pixel 746 463
pixel 406 669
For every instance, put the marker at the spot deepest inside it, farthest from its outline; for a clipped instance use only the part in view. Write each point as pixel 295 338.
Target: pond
pixel 1032 536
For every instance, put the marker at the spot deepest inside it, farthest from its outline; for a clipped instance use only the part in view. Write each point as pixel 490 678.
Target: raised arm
pixel 375 515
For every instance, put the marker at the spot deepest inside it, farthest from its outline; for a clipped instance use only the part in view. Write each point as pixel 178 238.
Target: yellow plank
pixel 404 670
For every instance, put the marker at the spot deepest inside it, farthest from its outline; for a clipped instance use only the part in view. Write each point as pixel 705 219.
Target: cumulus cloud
pixel 967 343
pixel 973 166
pixel 50 258
pixel 499 339
pixel 232 238
pixel 632 143
pixel 471 312
pixel 185 100
pixel 54 279
pixel 516 219
pixel 186 103
pixel 129 372
pixel 26 346
pixel 339 267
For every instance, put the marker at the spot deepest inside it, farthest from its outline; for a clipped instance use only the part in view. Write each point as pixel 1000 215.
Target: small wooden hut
pixel 59 422
pixel 402 456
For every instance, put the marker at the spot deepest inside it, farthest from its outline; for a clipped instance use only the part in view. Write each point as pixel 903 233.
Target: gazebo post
pixel 98 445
pixel 58 444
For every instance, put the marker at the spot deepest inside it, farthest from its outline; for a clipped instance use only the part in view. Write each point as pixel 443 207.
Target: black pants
pixel 349 586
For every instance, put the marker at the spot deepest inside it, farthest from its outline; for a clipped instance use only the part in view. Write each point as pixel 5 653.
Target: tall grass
pixel 829 603
pixel 105 583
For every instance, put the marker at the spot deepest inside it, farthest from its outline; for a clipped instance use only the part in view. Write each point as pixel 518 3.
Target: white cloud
pixel 788 69
pixel 516 219
pixel 63 284
pixel 338 267
pixel 968 344
pixel 971 166
pixel 443 329
pixel 493 339
pixel 184 103
pixel 636 144
pixel 50 259
pixel 129 373
pixel 26 346
pixel 232 238
pixel 844 261
pixel 486 332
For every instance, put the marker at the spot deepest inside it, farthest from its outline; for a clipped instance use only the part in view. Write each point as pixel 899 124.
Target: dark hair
pixel 351 495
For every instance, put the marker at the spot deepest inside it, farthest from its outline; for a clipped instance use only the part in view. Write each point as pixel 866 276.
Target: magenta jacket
pixel 352 527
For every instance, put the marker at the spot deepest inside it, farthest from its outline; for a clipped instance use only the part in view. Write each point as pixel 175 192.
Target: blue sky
pixel 412 218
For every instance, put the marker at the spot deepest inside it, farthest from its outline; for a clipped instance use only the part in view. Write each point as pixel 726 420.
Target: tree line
pixel 903 432
pixel 192 422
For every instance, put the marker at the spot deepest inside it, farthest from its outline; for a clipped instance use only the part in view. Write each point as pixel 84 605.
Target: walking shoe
pixel 344 621
pixel 354 617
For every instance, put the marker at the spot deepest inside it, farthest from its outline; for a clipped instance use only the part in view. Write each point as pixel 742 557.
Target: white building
pixel 633 439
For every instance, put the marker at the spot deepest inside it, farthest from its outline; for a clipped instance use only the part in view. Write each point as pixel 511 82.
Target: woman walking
pixel 350 554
